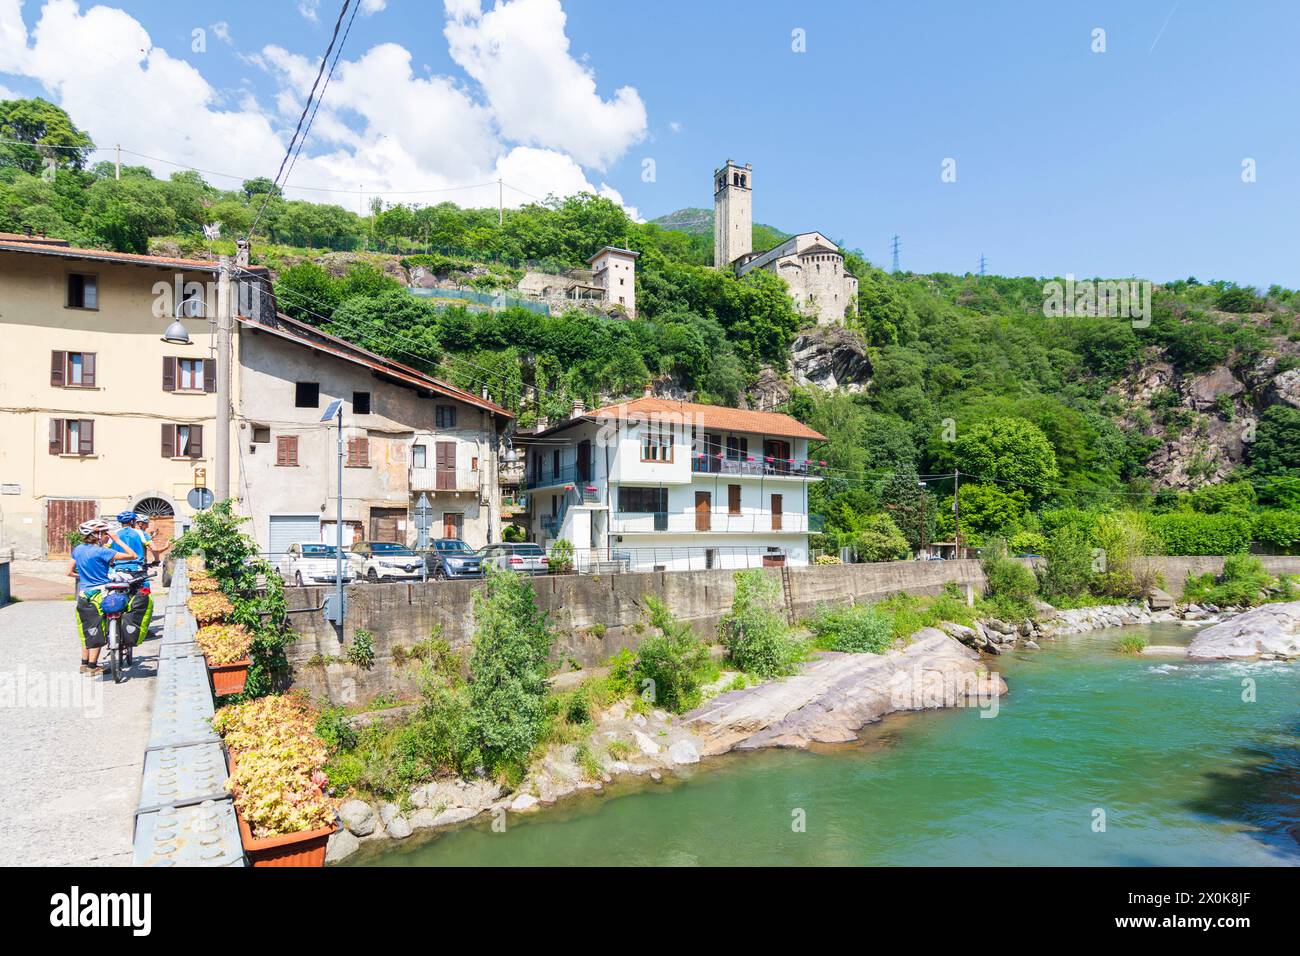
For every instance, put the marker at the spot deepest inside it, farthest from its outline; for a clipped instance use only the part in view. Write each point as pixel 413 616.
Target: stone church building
pixel 811 264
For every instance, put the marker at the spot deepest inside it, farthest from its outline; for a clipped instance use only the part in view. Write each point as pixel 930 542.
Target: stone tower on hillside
pixel 733 213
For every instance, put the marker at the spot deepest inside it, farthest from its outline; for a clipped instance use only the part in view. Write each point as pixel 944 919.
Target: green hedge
pixel 1279 528
pixel 1193 533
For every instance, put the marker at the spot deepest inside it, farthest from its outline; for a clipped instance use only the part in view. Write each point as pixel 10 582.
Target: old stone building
pixel 810 263
pixel 608 287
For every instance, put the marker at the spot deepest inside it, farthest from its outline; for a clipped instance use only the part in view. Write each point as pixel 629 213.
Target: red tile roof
pixel 313 338
pixel 33 244
pixel 711 416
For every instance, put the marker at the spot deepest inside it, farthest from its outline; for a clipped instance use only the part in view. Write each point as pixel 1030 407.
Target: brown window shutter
pixel 210 374
pixel 733 499
pixel 88 369
pixel 352 453
pixel 169 441
pixel 87 433
pixel 58 365
pixel 196 441
pixel 363 451
pixel 56 436
pixel 293 450
pixel 169 374
pixel 281 450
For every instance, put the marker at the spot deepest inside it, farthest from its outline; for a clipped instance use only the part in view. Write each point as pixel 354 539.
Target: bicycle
pixel 114 604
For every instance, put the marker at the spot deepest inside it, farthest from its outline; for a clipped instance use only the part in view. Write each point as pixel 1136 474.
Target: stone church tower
pixel 733 213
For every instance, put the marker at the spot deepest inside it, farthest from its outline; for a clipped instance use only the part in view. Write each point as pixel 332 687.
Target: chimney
pixel 241 253
pixel 649 390
pixel 543 423
pixel 579 408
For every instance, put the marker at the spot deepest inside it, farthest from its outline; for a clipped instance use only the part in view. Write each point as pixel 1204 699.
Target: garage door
pixel 287 529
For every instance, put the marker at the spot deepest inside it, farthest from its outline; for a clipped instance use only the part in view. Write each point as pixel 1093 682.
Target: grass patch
pixel 1132 644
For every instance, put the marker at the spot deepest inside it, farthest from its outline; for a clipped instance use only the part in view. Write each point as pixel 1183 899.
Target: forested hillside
pixel 1181 434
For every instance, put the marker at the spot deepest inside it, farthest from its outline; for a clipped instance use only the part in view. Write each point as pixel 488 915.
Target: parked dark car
pixel 453 558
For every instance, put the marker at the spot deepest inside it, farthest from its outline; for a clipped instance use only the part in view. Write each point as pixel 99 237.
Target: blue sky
pixel 1127 162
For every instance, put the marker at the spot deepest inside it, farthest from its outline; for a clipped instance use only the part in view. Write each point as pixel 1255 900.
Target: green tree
pixel 45 131
pixel 1010 450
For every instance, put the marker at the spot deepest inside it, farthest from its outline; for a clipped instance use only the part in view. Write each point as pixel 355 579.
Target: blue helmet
pixel 127 517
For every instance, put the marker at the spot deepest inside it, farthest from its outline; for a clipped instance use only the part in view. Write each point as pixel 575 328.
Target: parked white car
pixel 311 562
pixel 523 557
pixel 386 561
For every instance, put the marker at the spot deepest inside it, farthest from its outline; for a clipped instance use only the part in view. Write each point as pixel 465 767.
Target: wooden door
pixel 388 524
pixel 584 461
pixel 445 466
pixel 703 510
pixel 62 515
pixel 162 529
pixel 453 525
pixel 776 512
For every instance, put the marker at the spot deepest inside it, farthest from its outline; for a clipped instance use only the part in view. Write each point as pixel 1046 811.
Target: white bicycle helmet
pixel 93 526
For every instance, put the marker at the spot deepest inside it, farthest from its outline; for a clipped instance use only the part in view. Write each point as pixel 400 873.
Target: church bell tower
pixel 733 213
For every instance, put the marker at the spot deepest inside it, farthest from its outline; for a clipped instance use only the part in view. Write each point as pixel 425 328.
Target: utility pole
pixel 117 163
pixel 894 249
pixel 922 548
pixel 956 508
pixel 223 370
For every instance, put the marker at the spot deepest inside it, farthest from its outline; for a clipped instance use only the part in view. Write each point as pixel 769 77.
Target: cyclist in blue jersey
pixel 91 563
pixel 139 609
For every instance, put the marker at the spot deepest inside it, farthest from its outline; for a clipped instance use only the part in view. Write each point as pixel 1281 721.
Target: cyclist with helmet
pixel 91 564
pixel 139 609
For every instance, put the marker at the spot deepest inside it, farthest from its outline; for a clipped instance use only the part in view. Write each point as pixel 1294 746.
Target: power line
pixel 302 118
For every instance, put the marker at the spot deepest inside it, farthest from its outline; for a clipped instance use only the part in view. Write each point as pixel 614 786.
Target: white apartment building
pixel 654 484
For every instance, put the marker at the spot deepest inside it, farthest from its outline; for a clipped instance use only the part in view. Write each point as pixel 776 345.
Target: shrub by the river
pixel 860 629
pixel 754 632
pixel 1243 581
pixel 1132 644
pixel 674 661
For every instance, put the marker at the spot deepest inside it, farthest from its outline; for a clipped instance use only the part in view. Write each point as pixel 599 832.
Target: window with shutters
pixel 83 291
pixel 306 394
pixel 358 453
pixel 182 441
pixel 445 416
pixel 419 456
pixel 72 436
pixel 72 369
pixel 189 375
pixel 733 499
pixel 286 451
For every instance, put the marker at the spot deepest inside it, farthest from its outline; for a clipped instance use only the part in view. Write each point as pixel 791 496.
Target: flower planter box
pixel 291 849
pixel 306 848
pixel 228 678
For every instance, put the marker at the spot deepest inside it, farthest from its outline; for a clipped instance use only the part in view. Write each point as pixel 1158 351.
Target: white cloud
pixel 308 9
pixel 221 30
pixel 7 94
pixel 400 134
pixel 371 7
pixel 518 52
pixel 675 126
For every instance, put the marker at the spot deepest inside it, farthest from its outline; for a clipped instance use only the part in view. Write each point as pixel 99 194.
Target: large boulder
pixel 1272 630
pixel 1284 389
pixel 358 817
pixel 1205 390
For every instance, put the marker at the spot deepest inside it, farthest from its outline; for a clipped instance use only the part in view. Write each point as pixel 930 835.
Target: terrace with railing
pixel 714 522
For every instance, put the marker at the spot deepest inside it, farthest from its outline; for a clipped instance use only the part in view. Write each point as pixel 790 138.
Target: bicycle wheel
pixel 114 652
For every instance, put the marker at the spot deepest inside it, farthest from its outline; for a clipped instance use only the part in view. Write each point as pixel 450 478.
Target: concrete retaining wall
pixel 596 616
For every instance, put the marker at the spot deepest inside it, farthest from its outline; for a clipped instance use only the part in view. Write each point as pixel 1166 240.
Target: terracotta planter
pixel 228 678
pixel 292 849
pixel 306 848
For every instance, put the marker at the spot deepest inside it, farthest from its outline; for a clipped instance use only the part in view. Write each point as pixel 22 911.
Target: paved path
pixel 71 746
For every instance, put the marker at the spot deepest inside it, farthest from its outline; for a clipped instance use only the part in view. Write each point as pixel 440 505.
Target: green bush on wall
pixel 1191 533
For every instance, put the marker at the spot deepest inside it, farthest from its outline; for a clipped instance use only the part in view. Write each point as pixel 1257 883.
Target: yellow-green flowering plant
pixel 224 643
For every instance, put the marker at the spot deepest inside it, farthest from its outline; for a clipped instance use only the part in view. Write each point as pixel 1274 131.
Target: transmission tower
pixel 983 263
pixel 894 250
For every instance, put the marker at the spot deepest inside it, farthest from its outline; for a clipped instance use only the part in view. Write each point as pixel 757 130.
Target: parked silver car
pixel 525 558
pixel 310 562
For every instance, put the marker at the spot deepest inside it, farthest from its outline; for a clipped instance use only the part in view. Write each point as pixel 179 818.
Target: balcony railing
pixel 756 466
pixel 545 477
pixel 714 522
pixel 461 478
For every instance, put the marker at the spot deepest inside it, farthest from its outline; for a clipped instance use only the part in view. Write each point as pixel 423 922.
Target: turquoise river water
pixel 1185 770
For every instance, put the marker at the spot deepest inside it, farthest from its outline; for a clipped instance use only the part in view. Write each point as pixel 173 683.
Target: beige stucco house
pixel 97 413
pixel 406 435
